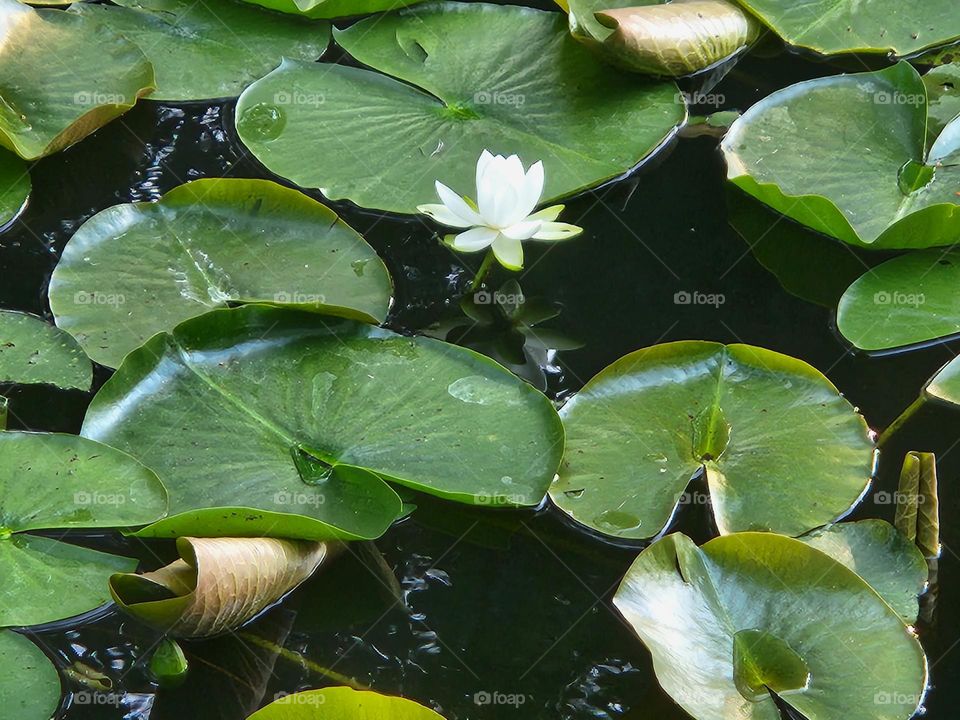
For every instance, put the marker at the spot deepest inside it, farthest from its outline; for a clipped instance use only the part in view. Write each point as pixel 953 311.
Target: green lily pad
pixel 29 684
pixel 943 98
pixel 332 8
pixel 14 186
pixel 32 351
pixel 907 300
pixel 95 76
pixel 134 270
pixel 846 156
pixel 343 703
pixel 459 78
pixel 211 49
pixel 61 482
pixel 830 27
pixel 752 611
pixel 889 562
pixel 327 409
pixel 769 430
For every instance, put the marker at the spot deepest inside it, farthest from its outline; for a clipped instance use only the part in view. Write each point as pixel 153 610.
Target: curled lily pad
pixel 670 39
pixel 884 557
pixel 458 78
pixel 100 75
pixel 769 431
pixel 343 703
pixel 846 155
pixel 29 684
pixel 332 8
pixel 134 270
pixel 886 27
pixel 61 482
pixel 907 300
pixel 918 503
pixel 327 410
pixel 753 615
pixel 210 49
pixel 14 186
pixel 218 583
pixel 32 351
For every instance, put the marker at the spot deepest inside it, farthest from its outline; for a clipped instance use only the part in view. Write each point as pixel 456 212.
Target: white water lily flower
pixel 503 215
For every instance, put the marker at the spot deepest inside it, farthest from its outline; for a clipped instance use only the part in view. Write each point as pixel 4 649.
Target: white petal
pixel 443 215
pixel 522 230
pixel 508 252
pixel 503 208
pixel 482 164
pixel 532 189
pixel 513 170
pixel 476 239
pixel 550 213
pixel 458 206
pixel 557 231
pixel 487 184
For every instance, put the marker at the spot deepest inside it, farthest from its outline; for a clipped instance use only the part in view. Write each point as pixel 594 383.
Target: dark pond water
pixel 485 614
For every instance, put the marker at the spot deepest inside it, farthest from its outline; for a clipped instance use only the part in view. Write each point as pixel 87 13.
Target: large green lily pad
pixel 90 76
pixel 134 270
pixel 32 351
pixel 332 8
pixel 459 78
pixel 770 431
pixel 322 408
pixel 829 27
pixel 343 703
pixel 14 186
pixel 62 482
pixel 29 684
pixel 752 613
pixel 846 155
pixel 210 49
pixel 889 562
pixel 907 300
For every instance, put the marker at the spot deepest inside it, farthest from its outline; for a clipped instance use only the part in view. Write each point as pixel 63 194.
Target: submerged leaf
pixel 752 611
pixel 43 112
pixel 134 270
pixel 846 155
pixel 918 504
pixel 33 351
pixel 29 683
pixel 219 583
pixel 673 39
pixel 769 430
pixel 328 410
pixel 209 49
pixel 454 79
pixel 343 703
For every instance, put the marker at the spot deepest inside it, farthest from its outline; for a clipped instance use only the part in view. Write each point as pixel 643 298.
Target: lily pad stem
pixel 482 272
